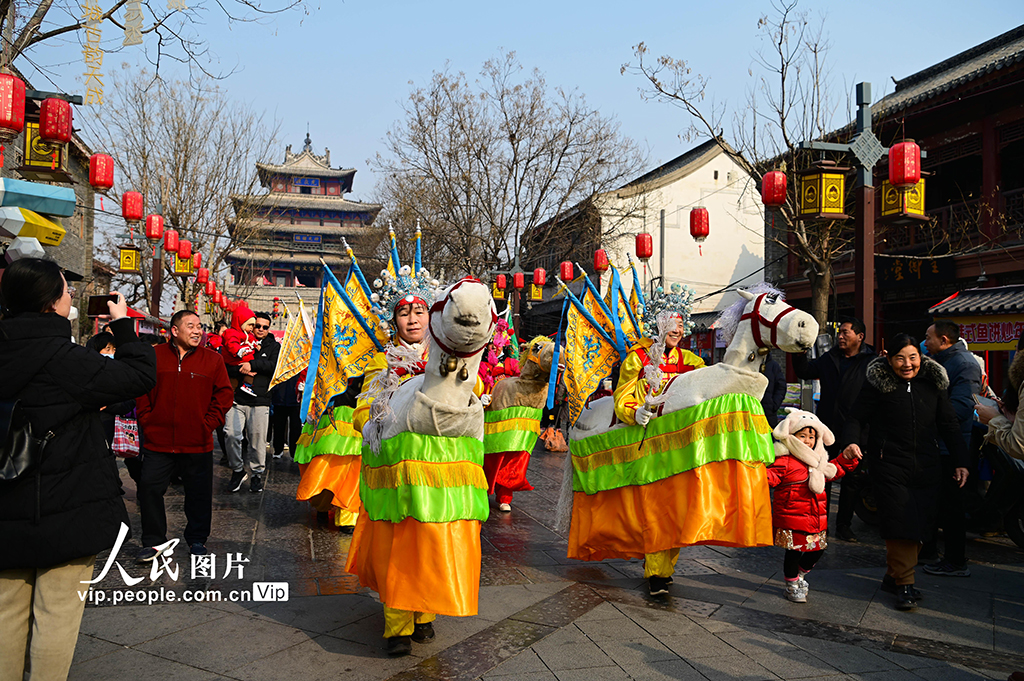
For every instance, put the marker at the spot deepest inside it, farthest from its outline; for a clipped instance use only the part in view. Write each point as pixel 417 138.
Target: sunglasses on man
pixel 263 327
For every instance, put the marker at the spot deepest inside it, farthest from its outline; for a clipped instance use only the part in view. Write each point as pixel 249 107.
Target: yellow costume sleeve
pixel 689 358
pixel 361 415
pixel 631 390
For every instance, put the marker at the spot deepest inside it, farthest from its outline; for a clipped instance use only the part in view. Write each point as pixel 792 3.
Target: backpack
pixel 21 451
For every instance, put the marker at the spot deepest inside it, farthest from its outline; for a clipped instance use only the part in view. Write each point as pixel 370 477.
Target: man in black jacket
pixel 775 393
pixel 250 415
pixel 841 372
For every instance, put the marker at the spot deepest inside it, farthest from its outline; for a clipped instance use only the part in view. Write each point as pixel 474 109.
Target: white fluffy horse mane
pixel 729 320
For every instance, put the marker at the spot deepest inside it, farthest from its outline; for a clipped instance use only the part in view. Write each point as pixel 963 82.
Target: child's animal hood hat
pixel 786 444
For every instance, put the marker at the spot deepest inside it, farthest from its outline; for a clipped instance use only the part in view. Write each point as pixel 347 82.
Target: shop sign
pixel 992 332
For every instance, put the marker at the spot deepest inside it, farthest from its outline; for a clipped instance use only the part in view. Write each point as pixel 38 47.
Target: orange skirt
pixel 339 474
pixel 725 503
pixel 420 567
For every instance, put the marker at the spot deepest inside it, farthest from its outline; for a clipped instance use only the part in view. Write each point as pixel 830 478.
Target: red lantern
pixel 55 121
pixel 218 297
pixel 904 164
pixel 518 281
pixel 154 225
pixel 12 106
pixel 185 249
pixel 197 260
pixel 773 189
pixel 540 276
pixel 600 261
pixel 566 271
pixel 131 208
pixel 644 246
pixel 101 172
pixel 699 226
pixel 203 277
pixel 171 240
pixel 501 282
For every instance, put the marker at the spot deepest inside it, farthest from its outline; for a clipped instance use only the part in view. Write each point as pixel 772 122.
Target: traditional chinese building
pixel 285 232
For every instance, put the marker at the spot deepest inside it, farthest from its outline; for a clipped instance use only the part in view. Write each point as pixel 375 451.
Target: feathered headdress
pixel 677 303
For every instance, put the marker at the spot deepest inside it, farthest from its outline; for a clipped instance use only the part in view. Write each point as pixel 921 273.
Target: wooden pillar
pixel 990 172
pixel 864 282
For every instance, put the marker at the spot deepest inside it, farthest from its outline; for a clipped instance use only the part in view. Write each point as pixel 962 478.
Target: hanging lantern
pixel 218 297
pixel 644 246
pixel 904 164
pixel 501 282
pixel 55 120
pixel 540 276
pixel 903 207
pixel 171 240
pixel 131 208
pixel 600 261
pixel 12 109
pixel 101 172
pixel 276 312
pixel 518 281
pixel 700 226
pixel 773 189
pixel 185 249
pixel 154 226
pixel 197 260
pixel 566 271
pixel 823 192
pixel 203 276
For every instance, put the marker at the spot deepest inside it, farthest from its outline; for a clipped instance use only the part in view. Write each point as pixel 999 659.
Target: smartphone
pixel 984 401
pixel 98 305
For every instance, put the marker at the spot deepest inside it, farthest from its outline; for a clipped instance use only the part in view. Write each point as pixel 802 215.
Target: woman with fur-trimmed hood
pixel 901 412
pixel 799 502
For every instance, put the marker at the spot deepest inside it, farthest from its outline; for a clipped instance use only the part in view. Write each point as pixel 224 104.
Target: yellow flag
pixel 589 359
pixel 295 348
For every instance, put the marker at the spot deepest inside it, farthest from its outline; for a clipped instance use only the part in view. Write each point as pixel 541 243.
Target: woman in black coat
pixel 904 407
pixel 54 520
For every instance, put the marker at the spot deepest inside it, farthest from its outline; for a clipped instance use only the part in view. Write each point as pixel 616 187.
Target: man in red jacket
pixel 177 418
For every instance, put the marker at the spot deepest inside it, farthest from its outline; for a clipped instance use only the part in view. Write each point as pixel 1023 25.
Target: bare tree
pixel 169 30
pixel 193 150
pixel 483 165
pixel 789 100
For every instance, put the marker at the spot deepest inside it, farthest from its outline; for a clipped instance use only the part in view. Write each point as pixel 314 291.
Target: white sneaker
pixel 795 592
pixel 803 583
pixel 504 508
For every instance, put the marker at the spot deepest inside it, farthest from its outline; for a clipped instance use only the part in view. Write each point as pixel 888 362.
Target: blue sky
pixel 346 67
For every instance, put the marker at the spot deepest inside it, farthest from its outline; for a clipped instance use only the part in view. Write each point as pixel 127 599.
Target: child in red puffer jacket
pixel 799 502
pixel 239 346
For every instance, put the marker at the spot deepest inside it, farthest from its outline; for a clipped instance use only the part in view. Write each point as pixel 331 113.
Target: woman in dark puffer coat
pixel 904 408
pixel 54 520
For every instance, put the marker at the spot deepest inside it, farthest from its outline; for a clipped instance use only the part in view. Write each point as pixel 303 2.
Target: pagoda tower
pixel 301 219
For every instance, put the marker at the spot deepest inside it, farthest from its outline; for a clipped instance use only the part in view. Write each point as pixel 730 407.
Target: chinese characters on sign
pixel 92 17
pixel 901 272
pixel 133 23
pixel 990 333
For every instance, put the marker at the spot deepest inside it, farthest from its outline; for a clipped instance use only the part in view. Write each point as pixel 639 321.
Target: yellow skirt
pixel 421 567
pixel 339 474
pixel 725 503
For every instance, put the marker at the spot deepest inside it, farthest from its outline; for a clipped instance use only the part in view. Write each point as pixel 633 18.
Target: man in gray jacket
pixel 942 339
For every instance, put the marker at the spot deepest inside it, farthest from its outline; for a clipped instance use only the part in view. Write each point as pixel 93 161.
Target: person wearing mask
pixel 942 339
pixel 775 393
pixel 249 417
pixel 55 519
pixel 896 423
pixel 841 372
pixel 177 419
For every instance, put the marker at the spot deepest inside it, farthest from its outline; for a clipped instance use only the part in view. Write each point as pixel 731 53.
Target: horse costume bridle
pixel 757 319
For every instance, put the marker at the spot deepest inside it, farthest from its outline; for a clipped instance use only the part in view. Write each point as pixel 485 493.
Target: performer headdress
pixel 391 292
pixel 663 306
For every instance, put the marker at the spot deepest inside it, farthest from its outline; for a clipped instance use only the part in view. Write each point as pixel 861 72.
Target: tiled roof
pixel 999 300
pixel 306 201
pixel 247 255
pixel 681 161
pixel 998 53
pixel 702 321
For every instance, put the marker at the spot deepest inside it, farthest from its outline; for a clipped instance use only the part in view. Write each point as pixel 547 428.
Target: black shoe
pixel 237 478
pixel 348 529
pixel 399 645
pixel 197 549
pixel 889 586
pixel 659 585
pixel 846 534
pixel 905 597
pixel 423 633
pixel 278 455
pixel 256 484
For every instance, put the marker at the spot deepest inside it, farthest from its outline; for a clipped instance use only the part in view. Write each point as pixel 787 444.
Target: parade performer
pixel 512 423
pixel 799 504
pixel 424 493
pixel 695 473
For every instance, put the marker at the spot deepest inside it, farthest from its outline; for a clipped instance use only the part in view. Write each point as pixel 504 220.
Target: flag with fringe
pixel 590 351
pixel 295 348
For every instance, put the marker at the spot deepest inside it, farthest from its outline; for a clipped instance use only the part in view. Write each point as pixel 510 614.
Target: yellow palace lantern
pixel 823 192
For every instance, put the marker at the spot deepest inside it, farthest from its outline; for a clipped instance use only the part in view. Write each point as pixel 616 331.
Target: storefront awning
pixel 989 318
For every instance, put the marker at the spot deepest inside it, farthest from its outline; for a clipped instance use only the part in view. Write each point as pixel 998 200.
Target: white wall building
pixel 734 250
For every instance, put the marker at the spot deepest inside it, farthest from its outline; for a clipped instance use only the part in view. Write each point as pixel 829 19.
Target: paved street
pixel 543 617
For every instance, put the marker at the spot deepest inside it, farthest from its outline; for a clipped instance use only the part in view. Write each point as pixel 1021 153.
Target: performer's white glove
pixel 485 399
pixel 643 415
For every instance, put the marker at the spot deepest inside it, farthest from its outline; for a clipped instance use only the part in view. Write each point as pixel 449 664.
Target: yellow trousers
pixel 661 563
pixel 344 518
pixel 402 622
